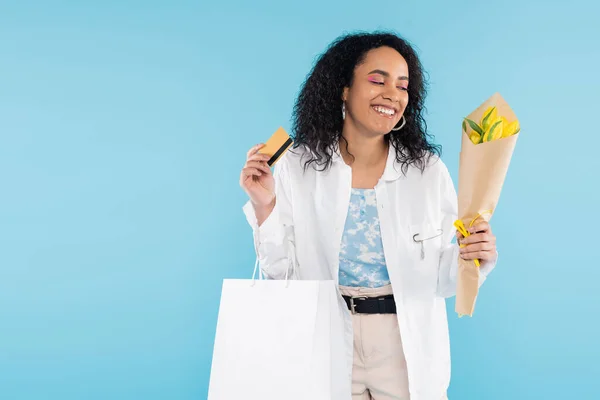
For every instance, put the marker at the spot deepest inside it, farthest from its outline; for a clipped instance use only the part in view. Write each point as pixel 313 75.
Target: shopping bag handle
pixel 291 257
pixel 260 273
pixel 262 277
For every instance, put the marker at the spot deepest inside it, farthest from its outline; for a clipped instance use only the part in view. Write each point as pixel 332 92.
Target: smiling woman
pixel 353 76
pixel 366 202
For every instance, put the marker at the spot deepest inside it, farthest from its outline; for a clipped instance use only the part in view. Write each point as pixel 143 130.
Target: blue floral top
pixel 362 262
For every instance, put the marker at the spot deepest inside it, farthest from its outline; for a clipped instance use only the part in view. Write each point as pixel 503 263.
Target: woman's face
pixel 379 93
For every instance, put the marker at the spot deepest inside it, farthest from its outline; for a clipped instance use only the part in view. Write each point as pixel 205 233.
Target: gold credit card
pixel 277 145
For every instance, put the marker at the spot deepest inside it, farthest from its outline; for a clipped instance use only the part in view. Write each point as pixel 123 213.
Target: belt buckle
pixel 353 305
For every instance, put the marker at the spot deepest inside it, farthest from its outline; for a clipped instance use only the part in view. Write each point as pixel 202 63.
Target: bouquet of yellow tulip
pixel 486 152
pixel 492 127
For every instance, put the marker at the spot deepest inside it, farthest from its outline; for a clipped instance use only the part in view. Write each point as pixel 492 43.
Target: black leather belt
pixel 371 305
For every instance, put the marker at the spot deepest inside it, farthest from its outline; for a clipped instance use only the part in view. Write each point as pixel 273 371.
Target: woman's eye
pixel 376 81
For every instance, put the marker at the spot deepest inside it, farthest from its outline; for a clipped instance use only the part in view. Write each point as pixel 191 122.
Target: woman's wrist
pixel 262 212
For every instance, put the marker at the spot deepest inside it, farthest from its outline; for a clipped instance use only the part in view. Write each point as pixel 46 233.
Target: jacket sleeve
pixel 274 240
pixel 448 267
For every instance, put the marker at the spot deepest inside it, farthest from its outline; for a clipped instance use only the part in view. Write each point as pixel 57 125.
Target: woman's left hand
pixel 481 244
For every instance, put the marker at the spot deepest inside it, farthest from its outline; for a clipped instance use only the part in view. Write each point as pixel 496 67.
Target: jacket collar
pixel 392 169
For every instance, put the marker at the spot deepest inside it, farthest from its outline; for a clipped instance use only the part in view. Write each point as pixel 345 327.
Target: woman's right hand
pixel 256 178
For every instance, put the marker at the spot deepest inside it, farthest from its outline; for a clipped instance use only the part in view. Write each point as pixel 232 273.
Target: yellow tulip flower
pixel 494 131
pixel 489 116
pixel 475 138
pixel 511 129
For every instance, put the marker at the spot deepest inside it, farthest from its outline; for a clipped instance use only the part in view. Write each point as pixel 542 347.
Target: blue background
pixel 123 128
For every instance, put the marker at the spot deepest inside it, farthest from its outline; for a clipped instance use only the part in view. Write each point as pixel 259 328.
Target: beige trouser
pixel 379 369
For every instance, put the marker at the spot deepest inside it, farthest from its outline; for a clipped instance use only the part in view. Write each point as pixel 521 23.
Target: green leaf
pixel 464 126
pixel 474 126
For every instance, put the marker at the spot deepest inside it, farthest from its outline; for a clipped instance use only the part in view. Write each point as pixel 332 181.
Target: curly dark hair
pixel 317 119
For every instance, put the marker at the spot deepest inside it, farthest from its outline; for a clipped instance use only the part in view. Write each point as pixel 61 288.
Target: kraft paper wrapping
pixel 482 170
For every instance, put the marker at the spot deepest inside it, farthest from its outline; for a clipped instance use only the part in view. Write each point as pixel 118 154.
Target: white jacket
pixel 305 230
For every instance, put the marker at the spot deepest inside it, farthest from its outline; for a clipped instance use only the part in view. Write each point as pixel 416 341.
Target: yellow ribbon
pixel 458 224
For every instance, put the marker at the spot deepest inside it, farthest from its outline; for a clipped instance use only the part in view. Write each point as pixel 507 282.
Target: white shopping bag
pixel 279 340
